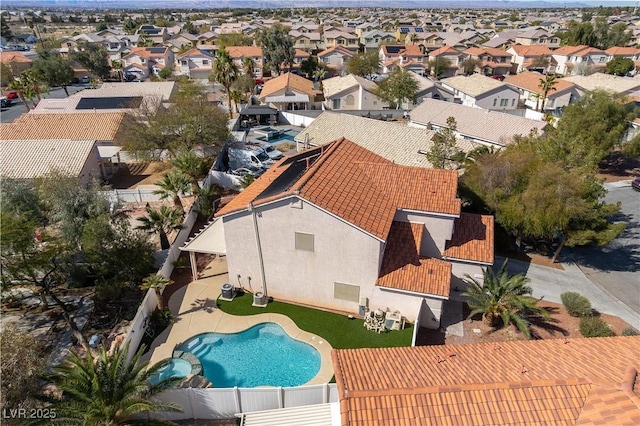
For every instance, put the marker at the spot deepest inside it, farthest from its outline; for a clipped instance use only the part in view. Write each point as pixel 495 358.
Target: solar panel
pixel 147 27
pixel 115 102
pixel 155 49
pixel 298 165
pixel 395 49
pixel 419 29
pixel 404 30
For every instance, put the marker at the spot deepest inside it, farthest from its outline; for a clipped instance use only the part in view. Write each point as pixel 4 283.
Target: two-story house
pixel 194 63
pixel 351 92
pixel 631 53
pixel 288 92
pixel 491 61
pixel 445 55
pixel 158 35
pixel 335 59
pixel 579 60
pixel 410 58
pixel 538 37
pixel 344 39
pixel 372 40
pixel 531 58
pixel 528 83
pixel 239 53
pixel 306 41
pixel 143 61
pixel 480 91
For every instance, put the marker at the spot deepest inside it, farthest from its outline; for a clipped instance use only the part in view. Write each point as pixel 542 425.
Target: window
pixel 349 100
pixel 183 62
pixel 346 292
pixel 336 104
pixel 513 102
pixel 304 241
pixel 495 101
pixel 205 62
pixel 504 102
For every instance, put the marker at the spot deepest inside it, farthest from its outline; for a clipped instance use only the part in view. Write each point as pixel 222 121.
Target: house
pixel 288 92
pixel 528 83
pixel 157 35
pixel 632 53
pixel 335 58
pixel 194 63
pixel 427 88
pixel 16 62
pixel 627 86
pixel 240 53
pixel 142 61
pixel 306 40
pixel 404 32
pixel 350 92
pixel 432 41
pixel 579 60
pixel 182 41
pixel 341 38
pixel 491 61
pixel 531 58
pixel 407 149
pixel 208 38
pixel 489 128
pixel 410 58
pixel 117 45
pixel 546 382
pixel 448 55
pixel 358 231
pixel 372 40
pixel 538 37
pixel 388 54
pixel 480 91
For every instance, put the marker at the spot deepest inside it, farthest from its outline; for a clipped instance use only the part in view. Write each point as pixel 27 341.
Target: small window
pixel 304 241
pixel 336 104
pixel 348 292
pixel 495 102
pixel 504 102
pixel 349 100
pixel 205 62
pixel 513 102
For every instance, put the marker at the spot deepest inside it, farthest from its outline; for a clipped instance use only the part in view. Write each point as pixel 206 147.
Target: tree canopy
pixel 233 39
pixel 364 64
pixel 54 70
pixel 277 47
pixel 597 34
pixel 397 89
pixel 92 57
pixel 444 147
pixel 620 66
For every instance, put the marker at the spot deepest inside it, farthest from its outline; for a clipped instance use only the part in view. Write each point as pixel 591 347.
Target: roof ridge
pixel 311 171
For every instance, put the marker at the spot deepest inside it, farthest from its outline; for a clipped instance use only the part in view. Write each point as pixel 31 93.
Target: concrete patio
pixel 195 311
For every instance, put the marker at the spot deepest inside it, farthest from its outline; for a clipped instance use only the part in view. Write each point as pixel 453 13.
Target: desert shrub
pixel 593 326
pixel 576 304
pixel 629 331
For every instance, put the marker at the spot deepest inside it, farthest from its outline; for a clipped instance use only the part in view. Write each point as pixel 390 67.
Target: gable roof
pixel 27 159
pixel 474 85
pixel 290 80
pixel 486 51
pixel 195 52
pixel 148 52
pixel 576 50
pixel 237 52
pixel 491 126
pixel 531 81
pixel 8 57
pixel 334 85
pixel 531 50
pixel 556 381
pixel 354 184
pixel 444 50
pixel 603 81
pixel 622 51
pixel 336 49
pixel 472 239
pixel 79 126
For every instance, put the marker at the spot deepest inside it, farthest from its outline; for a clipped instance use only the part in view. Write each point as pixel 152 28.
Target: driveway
pixel 9 114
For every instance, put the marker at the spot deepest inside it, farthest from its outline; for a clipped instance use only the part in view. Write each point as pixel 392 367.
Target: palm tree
pixel 224 72
pixel 206 197
pixel 161 221
pixel 171 185
pixel 110 390
pixel 503 298
pixel 237 97
pixel 547 84
pixel 318 74
pixel 248 65
pixel 157 282
pixel 192 165
pixel 413 38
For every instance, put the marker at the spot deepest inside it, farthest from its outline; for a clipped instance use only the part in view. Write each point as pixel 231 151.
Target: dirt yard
pixel 131 175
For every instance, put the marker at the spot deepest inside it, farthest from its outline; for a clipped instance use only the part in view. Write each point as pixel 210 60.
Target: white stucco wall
pixel 511 95
pixel 458 274
pixel 408 305
pixel 439 230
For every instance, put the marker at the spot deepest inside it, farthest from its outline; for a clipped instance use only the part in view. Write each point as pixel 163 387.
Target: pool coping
pixel 195 312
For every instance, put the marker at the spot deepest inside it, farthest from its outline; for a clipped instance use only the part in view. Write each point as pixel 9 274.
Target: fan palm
pixel 192 165
pixel 224 72
pixel 503 298
pixel 547 84
pixel 110 390
pixel 248 65
pixel 156 282
pixel 206 197
pixel 161 221
pixel 171 185
pixel 318 74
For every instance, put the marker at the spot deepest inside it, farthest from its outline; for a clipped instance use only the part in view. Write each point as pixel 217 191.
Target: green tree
pixel 238 97
pixel 165 73
pixel 207 195
pixel 443 148
pixel 469 65
pixel 398 88
pixel 23 90
pixel 171 185
pixel 93 57
pixel 309 66
pixel 110 390
pixel 439 66
pixel 277 47
pixel 248 65
pixel 547 84
pixel 161 221
pixel 55 71
pixel 5 30
pixel 225 72
pixel 233 39
pixel 156 282
pixel 620 66
pixel 319 74
pixel 503 299
pixel 194 166
pixel 22 364
pixel 364 64
pixel 244 83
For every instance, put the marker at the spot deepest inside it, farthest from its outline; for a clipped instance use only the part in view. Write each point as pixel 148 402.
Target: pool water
pixel 177 367
pixel 284 137
pixel 263 355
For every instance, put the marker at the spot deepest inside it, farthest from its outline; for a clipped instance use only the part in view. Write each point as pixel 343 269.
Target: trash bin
pixel 227 291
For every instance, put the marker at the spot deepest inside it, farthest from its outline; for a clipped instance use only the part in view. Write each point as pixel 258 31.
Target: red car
pixel 12 95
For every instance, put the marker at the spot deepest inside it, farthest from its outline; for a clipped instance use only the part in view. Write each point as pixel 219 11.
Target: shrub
pixel 593 326
pixel 576 304
pixel 630 331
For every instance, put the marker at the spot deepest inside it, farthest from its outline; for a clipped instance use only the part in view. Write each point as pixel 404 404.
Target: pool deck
pixel 195 311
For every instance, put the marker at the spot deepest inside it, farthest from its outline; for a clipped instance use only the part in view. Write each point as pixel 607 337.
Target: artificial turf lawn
pixel 340 331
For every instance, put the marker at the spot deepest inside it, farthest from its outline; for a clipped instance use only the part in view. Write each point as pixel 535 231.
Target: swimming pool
pixel 177 367
pixel 263 355
pixel 283 137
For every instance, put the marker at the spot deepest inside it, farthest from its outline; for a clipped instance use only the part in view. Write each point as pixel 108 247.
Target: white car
pixel 249 170
pixel 273 153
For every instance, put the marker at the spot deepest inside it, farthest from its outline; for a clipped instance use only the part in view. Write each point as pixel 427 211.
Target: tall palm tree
pixel 192 165
pixel 156 282
pixel 547 84
pixel 413 38
pixel 318 74
pixel 110 390
pixel 503 298
pixel 237 97
pixel 206 197
pixel 224 72
pixel 161 221
pixel 248 65
pixel 171 185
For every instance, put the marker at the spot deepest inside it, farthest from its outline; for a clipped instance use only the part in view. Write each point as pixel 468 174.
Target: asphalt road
pixel 9 114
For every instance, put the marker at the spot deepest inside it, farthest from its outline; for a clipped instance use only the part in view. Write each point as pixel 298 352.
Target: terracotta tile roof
pixel 100 126
pixel 531 81
pixel 487 50
pixel 557 381
pixel 7 57
pixel 412 50
pixel 342 50
pixel 144 52
pixel 532 50
pixel 360 187
pixel 576 50
pixel 404 269
pixel 301 54
pixel 622 51
pixel 472 239
pixel 237 52
pixel 444 50
pixel 290 80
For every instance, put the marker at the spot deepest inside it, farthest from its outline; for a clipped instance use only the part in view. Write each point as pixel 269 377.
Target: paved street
pixel 9 114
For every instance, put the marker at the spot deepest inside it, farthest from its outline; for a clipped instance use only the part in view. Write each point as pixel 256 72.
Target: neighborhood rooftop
pixel 100 126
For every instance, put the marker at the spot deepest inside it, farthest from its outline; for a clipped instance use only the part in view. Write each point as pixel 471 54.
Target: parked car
pixel 12 95
pixel 273 153
pixel 4 102
pixel 635 184
pixel 249 170
pixel 498 77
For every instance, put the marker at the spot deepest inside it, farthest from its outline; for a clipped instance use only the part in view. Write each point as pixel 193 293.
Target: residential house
pixel 335 58
pixel 400 230
pixel 372 40
pixel 491 61
pixel 552 381
pixel 626 86
pixel 404 32
pixel 502 40
pixel 182 41
pixel 143 61
pixel 480 91
pixel 632 53
pixel 340 38
pixel 299 56
pixel 240 53
pixel 288 92
pixel 118 45
pixel 388 53
pixel 489 128
pixel 579 60
pixel 410 58
pixel 208 38
pixel 531 58
pixel 16 62
pixel 431 42
pixel 305 27
pixel 71 44
pixel 367 27
pixel 528 83
pixel 453 59
pixel 157 35
pixel 538 37
pixel 306 41
pixel 194 63
pixel 427 88
pixel 351 92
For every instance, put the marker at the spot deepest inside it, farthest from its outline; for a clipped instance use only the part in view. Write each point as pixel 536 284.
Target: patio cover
pixel 308 415
pixel 107 151
pixel 258 110
pixel 210 240
pixel 284 98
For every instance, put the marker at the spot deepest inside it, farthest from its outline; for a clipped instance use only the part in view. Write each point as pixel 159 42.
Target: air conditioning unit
pixel 364 301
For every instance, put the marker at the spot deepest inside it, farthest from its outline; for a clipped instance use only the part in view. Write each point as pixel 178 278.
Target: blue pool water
pixel 177 367
pixel 263 355
pixel 285 137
